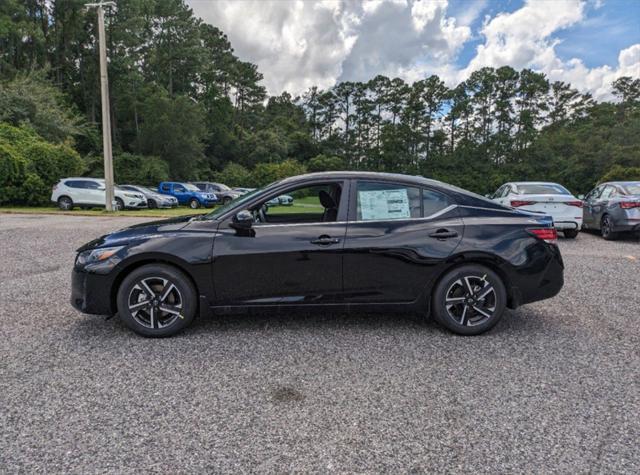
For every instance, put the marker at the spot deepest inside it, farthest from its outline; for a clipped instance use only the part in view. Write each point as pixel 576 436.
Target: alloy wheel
pixel 471 300
pixel 155 302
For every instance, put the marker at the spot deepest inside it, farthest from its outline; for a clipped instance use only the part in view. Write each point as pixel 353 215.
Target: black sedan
pixel 353 241
pixel 613 208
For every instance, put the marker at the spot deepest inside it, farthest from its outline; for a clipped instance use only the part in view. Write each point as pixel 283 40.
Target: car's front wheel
pixel 157 300
pixel 65 203
pixel 469 299
pixel 570 233
pixel 119 204
pixel 194 203
pixel 152 204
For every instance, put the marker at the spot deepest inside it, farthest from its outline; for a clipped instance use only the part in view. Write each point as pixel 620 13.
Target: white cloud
pixel 298 44
pixel 524 39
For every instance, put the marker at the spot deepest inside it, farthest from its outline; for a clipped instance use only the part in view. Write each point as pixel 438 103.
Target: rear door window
pixel 387 201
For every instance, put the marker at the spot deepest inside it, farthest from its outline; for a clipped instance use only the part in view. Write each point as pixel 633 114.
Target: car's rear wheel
pixel 194 203
pixel 226 200
pixel 157 300
pixel 469 299
pixel 65 203
pixel 570 233
pixel 606 228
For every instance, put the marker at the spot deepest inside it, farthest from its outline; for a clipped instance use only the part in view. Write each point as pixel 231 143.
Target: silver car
pixel 154 199
pixel 612 208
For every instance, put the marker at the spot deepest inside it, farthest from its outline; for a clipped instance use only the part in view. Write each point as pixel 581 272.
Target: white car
pixel 90 192
pixel 544 197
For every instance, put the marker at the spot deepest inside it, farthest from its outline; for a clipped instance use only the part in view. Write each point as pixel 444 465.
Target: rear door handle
pixel 325 240
pixel 443 234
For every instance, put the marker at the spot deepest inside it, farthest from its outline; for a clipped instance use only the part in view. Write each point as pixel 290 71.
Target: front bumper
pixel 91 293
pixel 135 204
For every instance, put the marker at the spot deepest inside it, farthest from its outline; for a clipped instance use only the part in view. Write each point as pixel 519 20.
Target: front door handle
pixel 325 240
pixel 443 234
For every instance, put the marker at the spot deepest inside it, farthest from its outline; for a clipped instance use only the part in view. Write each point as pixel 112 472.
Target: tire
pixel 226 200
pixel 152 204
pixel 147 320
pixel 194 203
pixel 570 233
pixel 606 226
pixel 65 203
pixel 453 287
pixel 119 204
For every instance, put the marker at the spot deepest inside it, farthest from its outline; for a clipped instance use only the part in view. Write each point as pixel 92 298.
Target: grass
pixel 145 213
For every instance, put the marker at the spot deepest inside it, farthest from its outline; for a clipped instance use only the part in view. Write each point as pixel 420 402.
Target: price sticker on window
pixel 384 204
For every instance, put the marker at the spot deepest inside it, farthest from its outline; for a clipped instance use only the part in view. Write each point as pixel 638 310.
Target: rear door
pixel 396 236
pixel 589 207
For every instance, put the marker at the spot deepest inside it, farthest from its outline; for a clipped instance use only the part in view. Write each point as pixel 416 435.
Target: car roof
pixel 82 178
pixel 362 175
pixel 535 183
pixel 630 182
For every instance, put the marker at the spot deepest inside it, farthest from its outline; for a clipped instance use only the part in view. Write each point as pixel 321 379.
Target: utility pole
pixel 106 114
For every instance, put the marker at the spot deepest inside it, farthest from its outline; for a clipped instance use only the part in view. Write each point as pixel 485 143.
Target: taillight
pixel 629 204
pixel 549 235
pixel 579 204
pixel 517 203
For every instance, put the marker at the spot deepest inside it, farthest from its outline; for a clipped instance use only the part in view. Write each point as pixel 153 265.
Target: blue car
pixel 188 194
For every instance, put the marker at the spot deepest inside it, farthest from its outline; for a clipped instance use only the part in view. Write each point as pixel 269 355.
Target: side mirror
pixel 242 220
pixel 487 196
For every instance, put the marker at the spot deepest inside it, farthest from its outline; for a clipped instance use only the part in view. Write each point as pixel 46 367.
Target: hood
pixel 139 231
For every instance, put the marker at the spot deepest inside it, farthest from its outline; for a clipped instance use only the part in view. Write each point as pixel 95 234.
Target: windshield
pixel 632 188
pixel 191 187
pixel 542 189
pixel 237 202
pixel 222 187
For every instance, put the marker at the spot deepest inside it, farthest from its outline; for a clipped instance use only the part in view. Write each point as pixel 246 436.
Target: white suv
pixel 90 192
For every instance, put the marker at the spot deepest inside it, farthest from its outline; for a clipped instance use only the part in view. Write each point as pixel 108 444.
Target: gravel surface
pixel 553 388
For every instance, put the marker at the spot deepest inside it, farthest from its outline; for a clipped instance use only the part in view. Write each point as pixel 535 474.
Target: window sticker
pixel 384 204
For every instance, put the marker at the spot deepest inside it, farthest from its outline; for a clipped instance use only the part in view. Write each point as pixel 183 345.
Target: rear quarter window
pixel 434 202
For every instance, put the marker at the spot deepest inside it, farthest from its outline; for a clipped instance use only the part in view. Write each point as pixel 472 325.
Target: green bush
pixel 51 162
pixel 132 169
pixel 323 163
pixel 619 173
pixel 13 173
pixel 234 174
pixel 265 173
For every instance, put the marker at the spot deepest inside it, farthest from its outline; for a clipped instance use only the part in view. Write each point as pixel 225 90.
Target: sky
pixel 302 43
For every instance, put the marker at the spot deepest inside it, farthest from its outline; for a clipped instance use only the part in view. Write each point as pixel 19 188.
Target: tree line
pixel 184 106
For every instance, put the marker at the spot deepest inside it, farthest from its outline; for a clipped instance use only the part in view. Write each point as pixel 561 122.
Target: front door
pixel 396 236
pixel 292 255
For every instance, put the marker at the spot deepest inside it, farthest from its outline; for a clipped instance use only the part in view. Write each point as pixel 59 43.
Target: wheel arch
pixel 131 266
pixel 492 262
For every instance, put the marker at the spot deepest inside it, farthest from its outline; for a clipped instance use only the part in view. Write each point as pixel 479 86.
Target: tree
pixel 172 129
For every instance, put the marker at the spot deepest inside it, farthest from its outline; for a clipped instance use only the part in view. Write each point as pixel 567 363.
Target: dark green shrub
pixel 13 172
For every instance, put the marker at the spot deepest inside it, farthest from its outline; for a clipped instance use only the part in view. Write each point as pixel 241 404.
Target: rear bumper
pixel 545 284
pixel 627 225
pixel 562 225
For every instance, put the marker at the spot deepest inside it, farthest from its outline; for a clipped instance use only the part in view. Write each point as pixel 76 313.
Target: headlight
pixel 130 195
pixel 91 256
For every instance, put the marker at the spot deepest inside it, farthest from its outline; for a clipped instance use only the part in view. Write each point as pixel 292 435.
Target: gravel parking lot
pixel 553 388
